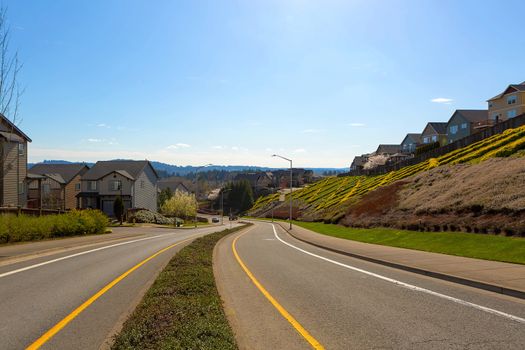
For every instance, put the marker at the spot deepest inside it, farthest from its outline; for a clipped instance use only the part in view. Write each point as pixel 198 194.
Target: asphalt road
pixel 42 283
pixel 346 303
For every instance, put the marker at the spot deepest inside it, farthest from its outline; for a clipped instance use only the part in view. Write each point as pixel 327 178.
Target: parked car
pixel 233 217
pixel 215 220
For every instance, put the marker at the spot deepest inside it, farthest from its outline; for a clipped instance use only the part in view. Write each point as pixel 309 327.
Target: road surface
pixel 42 283
pixel 281 293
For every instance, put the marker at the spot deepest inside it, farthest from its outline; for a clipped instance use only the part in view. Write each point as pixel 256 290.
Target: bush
pixel 30 228
pixel 149 217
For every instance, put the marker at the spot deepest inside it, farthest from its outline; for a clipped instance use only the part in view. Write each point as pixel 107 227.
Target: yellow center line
pixel 300 329
pixel 56 328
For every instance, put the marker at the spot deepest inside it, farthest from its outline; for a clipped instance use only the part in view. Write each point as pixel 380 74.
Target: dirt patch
pixel 488 197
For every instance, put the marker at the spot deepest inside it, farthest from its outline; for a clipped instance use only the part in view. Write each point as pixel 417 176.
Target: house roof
pixel 173 184
pixel 127 168
pixel 66 171
pixel 439 128
pixel 413 136
pixel 12 128
pixel 388 149
pixel 473 115
pixel 515 87
pixel 359 160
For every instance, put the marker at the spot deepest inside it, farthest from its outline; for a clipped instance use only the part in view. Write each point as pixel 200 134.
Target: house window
pixel 511 99
pixel 77 187
pixel 463 125
pixel 115 185
pixel 453 129
pixel 426 139
pixel 20 149
pixel 434 138
pixel 92 185
pixel 21 188
pixel 511 113
pixel 490 104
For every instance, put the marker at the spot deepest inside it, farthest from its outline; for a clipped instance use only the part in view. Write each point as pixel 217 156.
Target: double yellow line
pixel 56 328
pixel 298 327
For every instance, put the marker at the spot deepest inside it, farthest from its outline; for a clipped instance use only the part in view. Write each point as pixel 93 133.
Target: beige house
pixel 509 104
pixel 13 170
pixel 54 186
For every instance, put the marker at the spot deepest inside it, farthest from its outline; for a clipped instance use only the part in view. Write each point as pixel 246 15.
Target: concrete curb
pixel 450 278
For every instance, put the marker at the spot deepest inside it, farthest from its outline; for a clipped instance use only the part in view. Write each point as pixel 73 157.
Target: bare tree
pixel 10 93
pixel 10 66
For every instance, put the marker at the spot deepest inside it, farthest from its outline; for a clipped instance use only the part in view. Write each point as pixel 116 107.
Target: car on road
pixel 215 220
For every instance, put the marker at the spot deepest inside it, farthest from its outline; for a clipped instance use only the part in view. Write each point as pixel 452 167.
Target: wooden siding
pixel 501 107
pixel 14 170
pixel 71 192
pixel 456 120
pixel 146 190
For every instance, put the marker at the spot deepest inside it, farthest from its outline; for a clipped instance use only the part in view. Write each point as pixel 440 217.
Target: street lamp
pixel 197 189
pixel 222 205
pixel 291 184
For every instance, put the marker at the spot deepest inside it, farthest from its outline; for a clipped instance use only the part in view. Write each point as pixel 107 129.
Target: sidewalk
pixel 505 278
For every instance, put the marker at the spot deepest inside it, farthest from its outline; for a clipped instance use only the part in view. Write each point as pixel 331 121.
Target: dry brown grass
pixel 488 197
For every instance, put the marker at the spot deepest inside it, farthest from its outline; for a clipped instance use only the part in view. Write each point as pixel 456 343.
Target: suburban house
pixel 465 122
pixel 14 164
pixel 359 162
pixel 259 181
pixel 509 104
pixel 434 132
pixel 134 181
pixel 388 150
pixel 54 186
pixel 174 184
pixel 410 143
pixel 300 177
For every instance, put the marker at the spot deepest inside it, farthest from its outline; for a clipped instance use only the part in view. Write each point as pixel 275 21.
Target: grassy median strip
pixel 488 247
pixel 182 309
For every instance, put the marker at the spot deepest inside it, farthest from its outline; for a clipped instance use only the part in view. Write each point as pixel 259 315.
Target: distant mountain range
pixel 169 170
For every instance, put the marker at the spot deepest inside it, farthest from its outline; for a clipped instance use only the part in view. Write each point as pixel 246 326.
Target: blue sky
pixel 231 82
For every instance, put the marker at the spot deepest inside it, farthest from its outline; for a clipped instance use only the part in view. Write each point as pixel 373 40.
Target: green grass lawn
pixel 182 309
pixel 488 247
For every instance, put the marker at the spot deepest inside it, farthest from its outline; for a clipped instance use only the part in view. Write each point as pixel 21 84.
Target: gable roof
pixel 515 87
pixel 388 149
pixel 127 168
pixel 359 161
pixel 473 115
pixel 412 136
pixel 66 171
pixel 439 128
pixel 9 127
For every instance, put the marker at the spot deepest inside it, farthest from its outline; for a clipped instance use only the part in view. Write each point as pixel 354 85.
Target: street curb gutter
pixel 450 278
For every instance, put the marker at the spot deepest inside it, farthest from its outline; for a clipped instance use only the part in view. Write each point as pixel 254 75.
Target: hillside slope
pixel 331 198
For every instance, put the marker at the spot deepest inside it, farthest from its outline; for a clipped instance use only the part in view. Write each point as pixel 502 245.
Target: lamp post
pixel 222 205
pixel 197 189
pixel 291 184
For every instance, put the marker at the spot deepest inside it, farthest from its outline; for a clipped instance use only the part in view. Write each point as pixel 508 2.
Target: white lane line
pixel 406 285
pixel 75 255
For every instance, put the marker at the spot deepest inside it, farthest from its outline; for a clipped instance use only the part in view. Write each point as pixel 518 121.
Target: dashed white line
pixel 406 285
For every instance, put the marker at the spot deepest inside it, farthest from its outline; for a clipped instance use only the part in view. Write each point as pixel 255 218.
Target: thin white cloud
pixel 312 131
pixel 357 125
pixel 443 100
pixel 235 148
pixel 178 146
pixel 218 147
pixel 95 140
pixel 103 125
pixel 299 150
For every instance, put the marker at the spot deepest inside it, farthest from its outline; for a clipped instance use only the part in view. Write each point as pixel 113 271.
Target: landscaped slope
pixel 330 198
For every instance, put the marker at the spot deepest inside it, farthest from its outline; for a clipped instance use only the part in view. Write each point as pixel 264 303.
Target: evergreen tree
pixel 118 208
